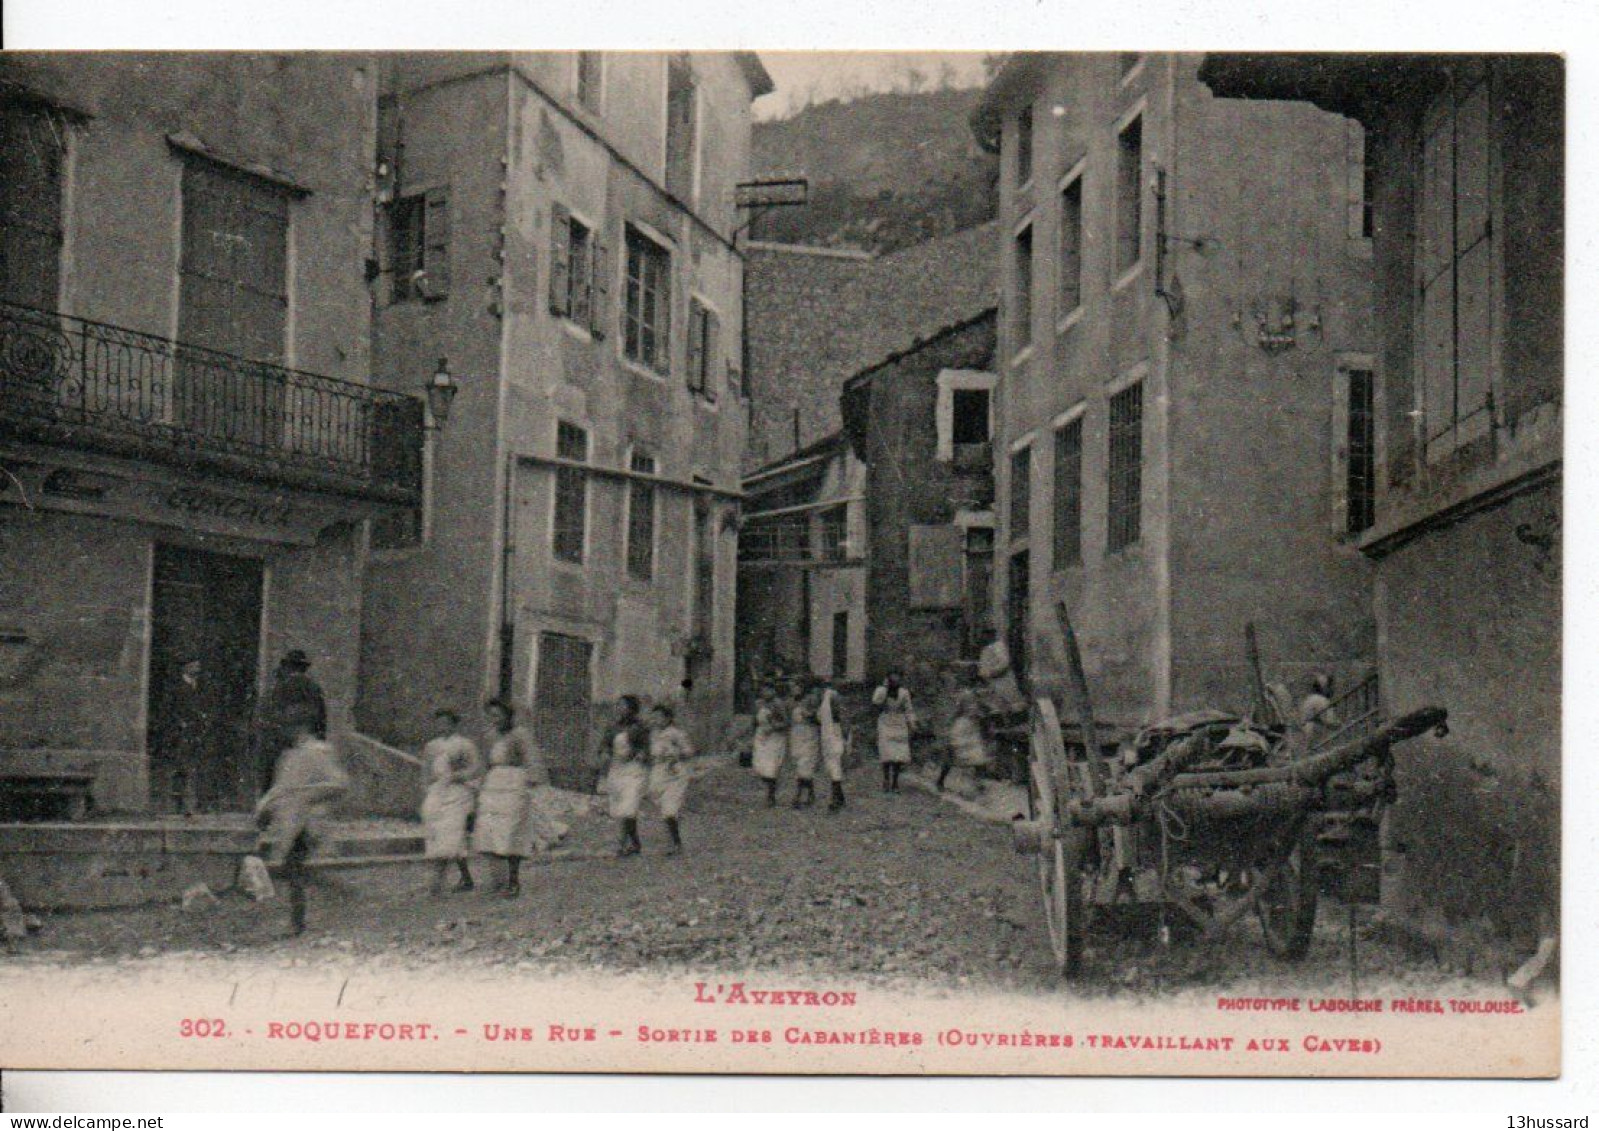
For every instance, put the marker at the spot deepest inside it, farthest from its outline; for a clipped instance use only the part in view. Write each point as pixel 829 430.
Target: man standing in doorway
pixel 191 713
pixel 295 697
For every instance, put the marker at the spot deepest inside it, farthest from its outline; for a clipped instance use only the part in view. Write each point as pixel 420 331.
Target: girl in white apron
pixel 771 740
pixel 830 718
pixel 968 744
pixel 505 825
pixel 628 744
pixel 804 743
pixel 453 768
pixel 895 718
pixel 670 749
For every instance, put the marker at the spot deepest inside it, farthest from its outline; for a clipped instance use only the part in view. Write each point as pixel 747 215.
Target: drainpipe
pixel 507 582
pixel 1162 403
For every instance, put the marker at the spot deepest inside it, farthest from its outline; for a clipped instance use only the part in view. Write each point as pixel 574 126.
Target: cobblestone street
pixel 896 888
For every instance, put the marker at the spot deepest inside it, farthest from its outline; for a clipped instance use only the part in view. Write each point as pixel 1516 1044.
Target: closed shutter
pixel 436 253
pixel 935 566
pixel 696 346
pixel 560 265
pixel 708 365
pixel 602 286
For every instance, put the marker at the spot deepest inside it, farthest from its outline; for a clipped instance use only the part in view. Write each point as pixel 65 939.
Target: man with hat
pixel 294 698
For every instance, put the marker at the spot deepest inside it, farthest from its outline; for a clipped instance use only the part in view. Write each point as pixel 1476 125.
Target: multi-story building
pixel 559 226
pixel 1464 529
pixel 189 445
pixel 1184 362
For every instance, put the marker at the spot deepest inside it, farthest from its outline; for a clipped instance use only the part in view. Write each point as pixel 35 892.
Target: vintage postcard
pixel 781 562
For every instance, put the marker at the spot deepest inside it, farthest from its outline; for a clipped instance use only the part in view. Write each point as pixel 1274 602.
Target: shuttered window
pixel 577 270
pixel 32 159
pixel 1455 269
pixel 1024 146
pixel 1022 290
pixel 1129 194
pixel 1021 492
pixel 1126 467
pixel 571 494
pixel 704 349
pixel 641 519
pixel 1068 547
pixel 419 246
pixel 589 75
pixel 235 281
pixel 647 310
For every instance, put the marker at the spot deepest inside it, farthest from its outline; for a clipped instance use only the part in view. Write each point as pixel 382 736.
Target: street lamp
pixel 441 390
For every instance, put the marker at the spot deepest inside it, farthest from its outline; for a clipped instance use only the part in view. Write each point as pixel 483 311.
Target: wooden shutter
pixel 560 261
pixel 713 332
pixel 436 252
pixel 696 345
pixel 601 281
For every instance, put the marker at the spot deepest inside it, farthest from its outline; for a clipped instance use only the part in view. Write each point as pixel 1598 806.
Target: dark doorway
pixel 563 708
pixel 840 646
pixel 206 611
pixel 1017 602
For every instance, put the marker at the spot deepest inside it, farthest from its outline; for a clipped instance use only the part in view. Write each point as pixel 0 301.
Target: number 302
pixel 202 1027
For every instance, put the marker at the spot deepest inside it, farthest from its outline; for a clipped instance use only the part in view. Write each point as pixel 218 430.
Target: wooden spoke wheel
pixel 1059 862
pixel 1287 903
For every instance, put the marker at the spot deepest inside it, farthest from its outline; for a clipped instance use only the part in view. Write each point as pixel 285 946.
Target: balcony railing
pixel 82 384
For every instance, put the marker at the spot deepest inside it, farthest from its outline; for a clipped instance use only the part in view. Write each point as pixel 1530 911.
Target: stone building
pixel 820 315
pixel 559 227
pixel 1185 359
pixel 189 446
pixel 1464 530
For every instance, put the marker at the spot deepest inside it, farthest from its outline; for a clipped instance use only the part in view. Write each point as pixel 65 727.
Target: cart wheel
pixel 1287 904
pixel 1059 878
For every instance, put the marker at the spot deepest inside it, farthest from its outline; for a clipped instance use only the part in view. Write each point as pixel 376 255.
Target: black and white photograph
pixel 764 561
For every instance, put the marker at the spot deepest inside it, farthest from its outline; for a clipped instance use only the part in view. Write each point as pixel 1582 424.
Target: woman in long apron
pixel 895 717
pixel 628 745
pixel 804 743
pixel 670 748
pixel 830 718
pixel 505 800
pixel 453 768
pixel 968 742
pixel 771 740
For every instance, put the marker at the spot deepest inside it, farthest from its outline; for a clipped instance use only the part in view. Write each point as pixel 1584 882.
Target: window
pixel 32 159
pixel 641 519
pixel 1071 246
pixel 647 319
pixel 1129 194
pixel 589 76
pixel 579 272
pixel 1126 466
pixel 571 494
pixel 419 246
pixel 681 152
pixel 235 286
pixel 969 417
pixel 704 349
pixel 1068 546
pixel 1455 267
pixel 1358 162
pixel 833 526
pixel 1024 146
pixel 1360 467
pixel 399 437
pixel 1021 491
pixel 1022 320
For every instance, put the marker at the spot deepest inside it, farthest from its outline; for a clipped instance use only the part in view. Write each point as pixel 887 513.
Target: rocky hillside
pixel 887 170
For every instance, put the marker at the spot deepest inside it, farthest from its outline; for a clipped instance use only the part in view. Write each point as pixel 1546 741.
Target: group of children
pixel 495 810
pixel 806 728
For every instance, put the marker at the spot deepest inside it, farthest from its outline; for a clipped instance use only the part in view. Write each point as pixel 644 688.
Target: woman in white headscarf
pixel 895 719
pixel 453 769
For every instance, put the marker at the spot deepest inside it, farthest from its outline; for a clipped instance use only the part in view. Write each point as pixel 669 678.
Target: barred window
pixel 1360 469
pixel 641 519
pixel 1126 466
pixel 1129 194
pixel 1021 491
pixel 1069 494
pixel 647 320
pixel 32 157
pixel 571 494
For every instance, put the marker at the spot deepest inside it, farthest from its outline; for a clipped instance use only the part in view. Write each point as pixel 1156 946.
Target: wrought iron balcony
pixel 76 383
